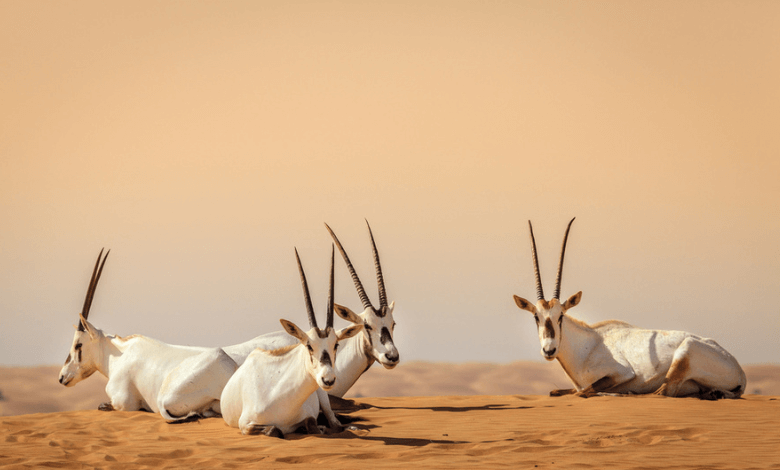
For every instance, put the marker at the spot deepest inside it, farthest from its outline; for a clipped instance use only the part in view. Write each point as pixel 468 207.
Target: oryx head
pixel 549 315
pixel 320 344
pixel 378 322
pixel 84 353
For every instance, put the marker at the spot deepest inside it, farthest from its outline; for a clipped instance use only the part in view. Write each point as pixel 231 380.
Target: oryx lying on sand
pixel 144 373
pixel 615 357
pixel 274 391
pixel 358 353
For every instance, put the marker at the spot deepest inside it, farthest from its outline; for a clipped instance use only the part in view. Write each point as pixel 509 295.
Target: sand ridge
pixel 427 432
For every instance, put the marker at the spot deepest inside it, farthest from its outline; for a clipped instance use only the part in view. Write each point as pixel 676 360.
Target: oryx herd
pixel 279 382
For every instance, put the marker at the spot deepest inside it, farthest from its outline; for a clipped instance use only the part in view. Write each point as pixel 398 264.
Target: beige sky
pixel 202 141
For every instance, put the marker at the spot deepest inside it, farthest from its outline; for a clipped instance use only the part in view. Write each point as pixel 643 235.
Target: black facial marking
pixel 386 338
pixel 381 312
pixel 548 329
pixel 368 329
pixel 325 359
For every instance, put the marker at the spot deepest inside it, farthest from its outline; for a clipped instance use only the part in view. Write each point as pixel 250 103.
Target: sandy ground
pixel 36 390
pixel 506 431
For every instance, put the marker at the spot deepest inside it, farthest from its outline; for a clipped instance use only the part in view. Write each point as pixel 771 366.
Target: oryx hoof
pixel 270 431
pixel 562 392
pixel 106 407
pixel 661 391
pixel 311 426
pixel 335 429
pixel 713 395
pixel 273 431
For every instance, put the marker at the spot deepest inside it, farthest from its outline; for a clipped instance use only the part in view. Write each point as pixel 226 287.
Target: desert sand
pixel 472 425
pixel 424 432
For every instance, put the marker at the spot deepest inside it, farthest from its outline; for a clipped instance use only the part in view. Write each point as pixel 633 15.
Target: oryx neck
pixel 577 340
pixel 353 358
pixel 110 348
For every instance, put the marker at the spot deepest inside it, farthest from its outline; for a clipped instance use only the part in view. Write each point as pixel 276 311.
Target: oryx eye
pixel 536 317
pixel 368 328
pixel 308 346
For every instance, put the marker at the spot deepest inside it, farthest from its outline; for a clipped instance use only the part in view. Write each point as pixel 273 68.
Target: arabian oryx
pixel 358 353
pixel 144 373
pixel 613 357
pixel 274 392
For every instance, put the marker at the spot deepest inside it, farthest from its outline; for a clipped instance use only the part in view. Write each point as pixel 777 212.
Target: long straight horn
pixel 539 290
pixel 329 321
pixel 358 285
pixel 560 263
pixel 379 278
pixel 93 282
pixel 306 297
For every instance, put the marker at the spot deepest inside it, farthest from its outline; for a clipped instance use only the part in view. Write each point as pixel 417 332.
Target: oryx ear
pixel 87 326
pixel 347 314
pixel 525 305
pixel 293 330
pixel 349 331
pixel 573 301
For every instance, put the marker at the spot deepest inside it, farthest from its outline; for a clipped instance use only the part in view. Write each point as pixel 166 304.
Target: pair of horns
pixel 307 297
pixel 358 285
pixel 96 272
pixel 539 290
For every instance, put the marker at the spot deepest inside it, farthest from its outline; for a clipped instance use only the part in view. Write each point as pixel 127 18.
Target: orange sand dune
pixel 424 432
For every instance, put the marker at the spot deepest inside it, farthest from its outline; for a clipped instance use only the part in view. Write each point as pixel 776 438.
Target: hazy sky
pixel 202 141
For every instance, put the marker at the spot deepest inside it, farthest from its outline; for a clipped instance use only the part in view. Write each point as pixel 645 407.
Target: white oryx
pixel 613 357
pixel 356 354
pixel 146 374
pixel 274 392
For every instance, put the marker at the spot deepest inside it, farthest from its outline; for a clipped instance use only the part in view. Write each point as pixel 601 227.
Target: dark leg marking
pixel 185 419
pixel 270 431
pixel 675 376
pixel 106 407
pixel 601 385
pixel 311 426
pixel 273 431
pixel 712 395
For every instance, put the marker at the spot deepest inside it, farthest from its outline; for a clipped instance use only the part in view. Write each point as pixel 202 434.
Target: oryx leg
pixel 309 425
pixel 700 367
pixel 195 385
pixel 605 386
pixel 270 431
pixel 124 397
pixel 598 387
pixel 333 422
